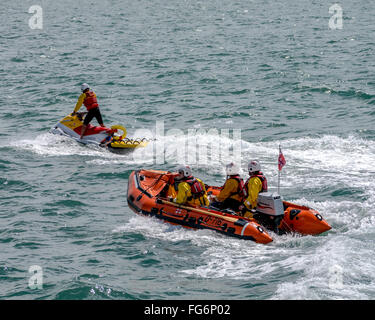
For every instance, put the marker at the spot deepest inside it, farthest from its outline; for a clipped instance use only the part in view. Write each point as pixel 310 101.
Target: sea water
pixel 258 74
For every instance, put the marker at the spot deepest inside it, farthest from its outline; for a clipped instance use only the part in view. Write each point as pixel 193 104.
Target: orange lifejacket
pixel 241 190
pixel 262 178
pixel 90 100
pixel 196 188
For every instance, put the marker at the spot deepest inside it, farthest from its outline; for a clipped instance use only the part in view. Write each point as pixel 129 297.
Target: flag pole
pixel 278 182
pixel 281 163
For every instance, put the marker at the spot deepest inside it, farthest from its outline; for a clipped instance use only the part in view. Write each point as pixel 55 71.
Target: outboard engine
pixel 269 210
pixel 270 203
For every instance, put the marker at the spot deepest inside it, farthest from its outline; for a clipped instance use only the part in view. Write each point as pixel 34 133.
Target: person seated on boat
pixel 233 192
pixel 171 192
pixel 189 190
pixel 88 98
pixel 256 183
pixel 107 140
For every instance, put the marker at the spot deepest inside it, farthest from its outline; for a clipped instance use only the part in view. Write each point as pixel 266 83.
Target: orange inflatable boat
pixel 149 191
pixel 285 217
pixel 148 194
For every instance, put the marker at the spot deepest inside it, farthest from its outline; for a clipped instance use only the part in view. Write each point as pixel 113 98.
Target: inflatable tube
pixel 296 218
pixel 119 127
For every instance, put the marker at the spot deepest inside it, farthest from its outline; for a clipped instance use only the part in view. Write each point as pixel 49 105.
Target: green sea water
pixel 275 71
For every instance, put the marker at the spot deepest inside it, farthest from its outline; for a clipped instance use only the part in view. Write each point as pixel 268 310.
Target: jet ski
pixel 148 194
pixel 108 138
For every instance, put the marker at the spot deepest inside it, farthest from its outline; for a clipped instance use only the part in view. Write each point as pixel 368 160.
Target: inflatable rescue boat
pixel 71 126
pixel 148 195
pixel 149 191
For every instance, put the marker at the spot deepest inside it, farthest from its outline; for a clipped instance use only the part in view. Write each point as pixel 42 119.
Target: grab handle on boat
pixel 231 219
pixel 119 127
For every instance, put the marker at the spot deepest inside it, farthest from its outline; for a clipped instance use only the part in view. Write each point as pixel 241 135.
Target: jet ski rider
pixel 88 98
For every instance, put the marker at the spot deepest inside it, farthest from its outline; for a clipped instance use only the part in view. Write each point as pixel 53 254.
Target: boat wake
pixel 335 174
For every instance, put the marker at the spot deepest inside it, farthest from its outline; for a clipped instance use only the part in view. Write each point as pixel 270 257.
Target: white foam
pixel 328 152
pixel 154 228
pixel 332 270
pixel 314 164
pixel 48 144
pixel 307 263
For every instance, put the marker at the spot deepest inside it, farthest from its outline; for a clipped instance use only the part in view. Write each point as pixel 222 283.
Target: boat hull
pixel 296 219
pixel 302 220
pixel 147 202
pixel 148 194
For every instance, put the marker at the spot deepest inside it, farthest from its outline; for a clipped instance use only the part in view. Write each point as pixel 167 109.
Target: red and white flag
pixel 281 160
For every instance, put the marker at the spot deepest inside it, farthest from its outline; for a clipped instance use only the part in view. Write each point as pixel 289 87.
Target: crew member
pixel 88 98
pixel 189 190
pixel 233 193
pixel 256 183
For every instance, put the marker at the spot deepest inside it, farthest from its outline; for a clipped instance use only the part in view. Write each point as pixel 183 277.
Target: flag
pixel 281 160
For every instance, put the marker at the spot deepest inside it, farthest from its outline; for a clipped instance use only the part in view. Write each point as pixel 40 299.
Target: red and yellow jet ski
pixel 149 191
pixel 105 137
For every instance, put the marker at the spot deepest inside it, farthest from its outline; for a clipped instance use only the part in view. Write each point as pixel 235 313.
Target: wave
pixel 348 160
pixel 47 144
pixel 348 93
pixel 329 266
pixel 305 267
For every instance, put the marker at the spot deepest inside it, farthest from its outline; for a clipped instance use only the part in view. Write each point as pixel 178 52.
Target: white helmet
pixel 185 171
pixel 84 86
pixel 253 166
pixel 232 169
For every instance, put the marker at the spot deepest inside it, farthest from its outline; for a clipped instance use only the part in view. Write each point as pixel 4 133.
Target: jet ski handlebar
pixel 79 114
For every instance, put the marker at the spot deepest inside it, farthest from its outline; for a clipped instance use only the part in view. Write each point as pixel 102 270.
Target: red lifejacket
pixel 262 178
pixel 196 188
pixel 241 189
pixel 90 101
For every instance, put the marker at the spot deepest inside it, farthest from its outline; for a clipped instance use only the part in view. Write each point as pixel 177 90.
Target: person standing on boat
pixel 256 183
pixel 88 98
pixel 233 193
pixel 189 190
